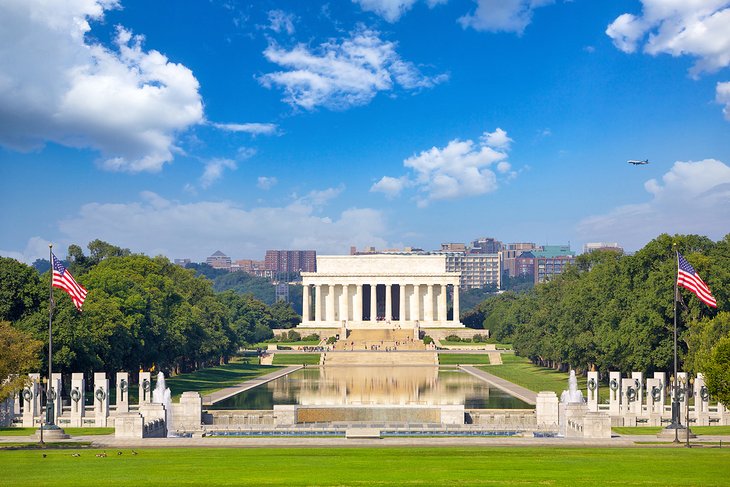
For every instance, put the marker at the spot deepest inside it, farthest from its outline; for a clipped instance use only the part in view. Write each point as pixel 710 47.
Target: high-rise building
pixel 290 262
pixel 453 247
pixel 181 262
pixel 592 246
pixel 219 260
pixel 548 267
pixel 485 245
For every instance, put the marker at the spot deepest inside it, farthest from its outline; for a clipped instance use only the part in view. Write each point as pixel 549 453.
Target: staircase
pixel 380 347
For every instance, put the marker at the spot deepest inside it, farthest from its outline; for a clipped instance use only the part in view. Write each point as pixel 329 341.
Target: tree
pixel 18 356
pixel 20 291
pixel 284 316
pixel 717 371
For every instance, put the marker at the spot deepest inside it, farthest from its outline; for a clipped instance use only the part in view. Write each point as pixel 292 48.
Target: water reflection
pixel 337 386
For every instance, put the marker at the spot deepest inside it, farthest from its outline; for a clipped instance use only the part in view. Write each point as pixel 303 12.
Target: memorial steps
pixel 380 347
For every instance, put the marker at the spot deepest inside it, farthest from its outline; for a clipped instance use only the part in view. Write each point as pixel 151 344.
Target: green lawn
pixel 653 430
pixel 522 372
pixel 296 359
pixel 212 379
pixel 503 346
pixel 463 359
pixel 644 466
pixel 69 431
pixel 300 343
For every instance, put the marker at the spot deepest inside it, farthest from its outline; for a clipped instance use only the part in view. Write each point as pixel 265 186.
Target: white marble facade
pixel 380 291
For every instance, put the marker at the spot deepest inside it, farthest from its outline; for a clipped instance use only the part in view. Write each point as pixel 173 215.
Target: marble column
pixel 305 304
pixel 357 316
pixel 442 304
pixel 401 302
pixel 428 304
pixel 388 302
pixel 345 303
pixel 318 302
pixel 373 302
pixel 101 399
pixel 330 314
pixel 122 392
pixel 145 388
pixel 415 303
pixel 56 396
pixel 78 389
pixel 456 303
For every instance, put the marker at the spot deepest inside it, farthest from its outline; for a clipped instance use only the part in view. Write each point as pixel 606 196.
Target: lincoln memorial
pixel 380 291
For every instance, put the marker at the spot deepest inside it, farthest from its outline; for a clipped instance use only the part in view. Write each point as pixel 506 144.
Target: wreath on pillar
pixel 704 393
pixel 631 393
pixel 656 393
pixel 27 394
pixel 123 385
pixel 100 394
pixel 613 385
pixel 592 384
pixel 75 395
pixel 146 385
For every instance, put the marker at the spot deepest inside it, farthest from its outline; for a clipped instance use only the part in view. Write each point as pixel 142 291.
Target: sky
pixel 182 128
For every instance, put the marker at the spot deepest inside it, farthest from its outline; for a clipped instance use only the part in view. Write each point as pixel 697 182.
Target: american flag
pixel 688 278
pixel 63 279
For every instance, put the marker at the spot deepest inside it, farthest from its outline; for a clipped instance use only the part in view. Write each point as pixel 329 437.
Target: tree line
pixel 616 312
pixel 140 312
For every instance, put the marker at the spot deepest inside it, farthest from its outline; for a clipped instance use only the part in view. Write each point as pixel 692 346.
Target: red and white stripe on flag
pixel 63 279
pixel 688 278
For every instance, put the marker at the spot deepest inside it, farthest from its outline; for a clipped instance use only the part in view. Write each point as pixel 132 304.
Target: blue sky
pixel 180 128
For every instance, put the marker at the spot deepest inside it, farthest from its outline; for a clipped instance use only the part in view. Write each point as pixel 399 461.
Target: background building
pixel 287 264
pixel 593 246
pixel 219 260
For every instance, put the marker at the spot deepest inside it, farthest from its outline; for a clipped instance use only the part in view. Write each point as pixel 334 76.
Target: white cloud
pixel 502 15
pixel 157 226
pixel 57 84
pixel 390 186
pixel 693 197
pixel 696 28
pixel 280 21
pixel 266 182
pixel 249 128
pixel 462 168
pixel 214 170
pixel 339 74
pixel 723 97
pixel 36 248
pixel 392 10
pixel 319 198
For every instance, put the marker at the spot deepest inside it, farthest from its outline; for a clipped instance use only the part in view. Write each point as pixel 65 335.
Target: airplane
pixel 638 163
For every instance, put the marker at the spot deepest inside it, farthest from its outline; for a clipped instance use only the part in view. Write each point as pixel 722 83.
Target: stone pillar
pixel 330 305
pixel 428 304
pixel 345 303
pixel 638 385
pixel 122 405
pixel 662 378
pixel 628 399
pixel 30 401
pixel 388 302
pixel 317 303
pixel 702 402
pixel 145 388
pixel 547 410
pixel 401 302
pixel 188 412
pixel 456 303
pixel 653 401
pixel 56 396
pixel 78 402
pixel 592 391
pixel 414 303
pixel 373 302
pixel 305 304
pixel 441 315
pixel 614 395
pixel 357 316
pixel 101 399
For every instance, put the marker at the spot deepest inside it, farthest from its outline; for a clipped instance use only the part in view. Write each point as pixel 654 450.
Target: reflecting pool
pixel 366 385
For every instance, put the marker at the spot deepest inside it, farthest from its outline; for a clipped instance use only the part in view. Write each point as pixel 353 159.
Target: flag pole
pixel 675 396
pixel 49 400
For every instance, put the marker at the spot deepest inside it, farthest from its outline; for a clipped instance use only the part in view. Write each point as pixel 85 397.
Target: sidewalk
pixel 513 389
pixel 217 396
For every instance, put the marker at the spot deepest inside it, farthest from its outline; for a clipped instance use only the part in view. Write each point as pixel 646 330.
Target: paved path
pixel 217 396
pixel 510 388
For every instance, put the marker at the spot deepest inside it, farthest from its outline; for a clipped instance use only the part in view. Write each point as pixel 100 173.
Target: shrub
pixel 331 340
pixel 293 336
pixel 427 340
pixel 311 338
pixel 479 338
pixel 453 338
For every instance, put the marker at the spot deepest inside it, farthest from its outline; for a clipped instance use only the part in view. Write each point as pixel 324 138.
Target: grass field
pixel 69 431
pixel 300 343
pixel 503 346
pixel 296 359
pixel 212 379
pixel 463 359
pixel 643 466
pixel 522 372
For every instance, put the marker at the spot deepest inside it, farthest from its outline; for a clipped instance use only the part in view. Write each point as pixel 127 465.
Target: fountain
pixel 572 396
pixel 161 395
